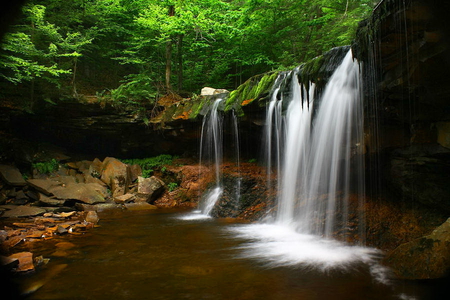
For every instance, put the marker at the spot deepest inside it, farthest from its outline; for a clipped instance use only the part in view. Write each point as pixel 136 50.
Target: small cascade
pixel 211 153
pixel 238 158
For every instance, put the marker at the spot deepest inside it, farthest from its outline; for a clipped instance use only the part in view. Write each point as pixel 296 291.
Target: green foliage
pixel 172 186
pixel 218 43
pixel 149 165
pixel 252 160
pixel 46 167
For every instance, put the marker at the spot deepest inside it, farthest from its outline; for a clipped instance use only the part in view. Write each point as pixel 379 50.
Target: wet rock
pixel 97 207
pixel 65 245
pixel 11 175
pixel 149 189
pixel 22 211
pixel 95 169
pixel 92 217
pixel 61 229
pixel 25 261
pixel 427 257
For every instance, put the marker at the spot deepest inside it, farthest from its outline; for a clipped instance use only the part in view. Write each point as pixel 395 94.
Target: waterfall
pixel 315 147
pixel 211 152
pixel 319 140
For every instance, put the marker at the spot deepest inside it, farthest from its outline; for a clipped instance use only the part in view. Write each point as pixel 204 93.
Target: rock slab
pixel 427 257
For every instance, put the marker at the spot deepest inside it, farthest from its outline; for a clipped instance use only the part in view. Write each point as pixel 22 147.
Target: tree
pixel 39 51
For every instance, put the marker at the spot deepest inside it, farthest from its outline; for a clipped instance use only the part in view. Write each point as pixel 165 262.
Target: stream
pixel 163 254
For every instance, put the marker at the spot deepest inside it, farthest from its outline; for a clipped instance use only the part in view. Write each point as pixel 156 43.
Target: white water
pixel 315 148
pixel 318 141
pixel 211 152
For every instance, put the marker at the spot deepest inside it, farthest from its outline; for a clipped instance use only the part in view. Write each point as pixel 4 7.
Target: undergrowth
pixel 150 164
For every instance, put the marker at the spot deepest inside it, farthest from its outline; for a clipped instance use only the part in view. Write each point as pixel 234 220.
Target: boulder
pixel 116 174
pixel 11 175
pixel 427 257
pixel 149 189
pixel 209 91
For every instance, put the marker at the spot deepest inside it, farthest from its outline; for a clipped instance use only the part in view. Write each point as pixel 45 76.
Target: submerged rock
pixel 427 257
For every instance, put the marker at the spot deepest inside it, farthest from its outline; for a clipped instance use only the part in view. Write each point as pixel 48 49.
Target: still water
pixel 163 254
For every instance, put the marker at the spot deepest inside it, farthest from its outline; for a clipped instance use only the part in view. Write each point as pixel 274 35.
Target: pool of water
pixel 163 254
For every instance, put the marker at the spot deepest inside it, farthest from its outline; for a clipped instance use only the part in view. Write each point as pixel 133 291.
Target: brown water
pixel 155 255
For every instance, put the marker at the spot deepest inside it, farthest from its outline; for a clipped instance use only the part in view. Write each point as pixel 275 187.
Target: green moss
pixel 46 167
pixel 195 109
pixel 148 165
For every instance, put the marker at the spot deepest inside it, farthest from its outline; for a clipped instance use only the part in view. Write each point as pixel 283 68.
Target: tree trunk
pixel 180 62
pixel 171 13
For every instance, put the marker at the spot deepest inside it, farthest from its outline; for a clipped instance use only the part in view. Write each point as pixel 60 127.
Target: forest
pixel 134 51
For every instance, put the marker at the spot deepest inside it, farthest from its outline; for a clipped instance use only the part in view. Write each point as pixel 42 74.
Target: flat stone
pixel 25 261
pixel 51 201
pixel 86 193
pixel 11 175
pixel 23 211
pixel 140 206
pixel 124 198
pixel 97 207
pixel 43 185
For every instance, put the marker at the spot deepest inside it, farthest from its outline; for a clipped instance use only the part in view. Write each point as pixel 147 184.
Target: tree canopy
pixel 134 50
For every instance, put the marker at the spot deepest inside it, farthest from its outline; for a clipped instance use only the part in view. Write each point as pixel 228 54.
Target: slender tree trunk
pixel 74 87
pixel 168 64
pixel 180 62
pixel 171 13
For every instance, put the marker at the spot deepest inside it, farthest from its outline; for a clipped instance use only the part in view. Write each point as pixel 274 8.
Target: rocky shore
pixel 66 201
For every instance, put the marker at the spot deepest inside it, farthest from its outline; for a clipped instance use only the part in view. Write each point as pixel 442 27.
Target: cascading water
pixel 318 152
pixel 315 148
pixel 211 151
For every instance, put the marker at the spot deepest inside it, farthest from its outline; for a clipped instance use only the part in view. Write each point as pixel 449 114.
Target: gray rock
pixel 11 175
